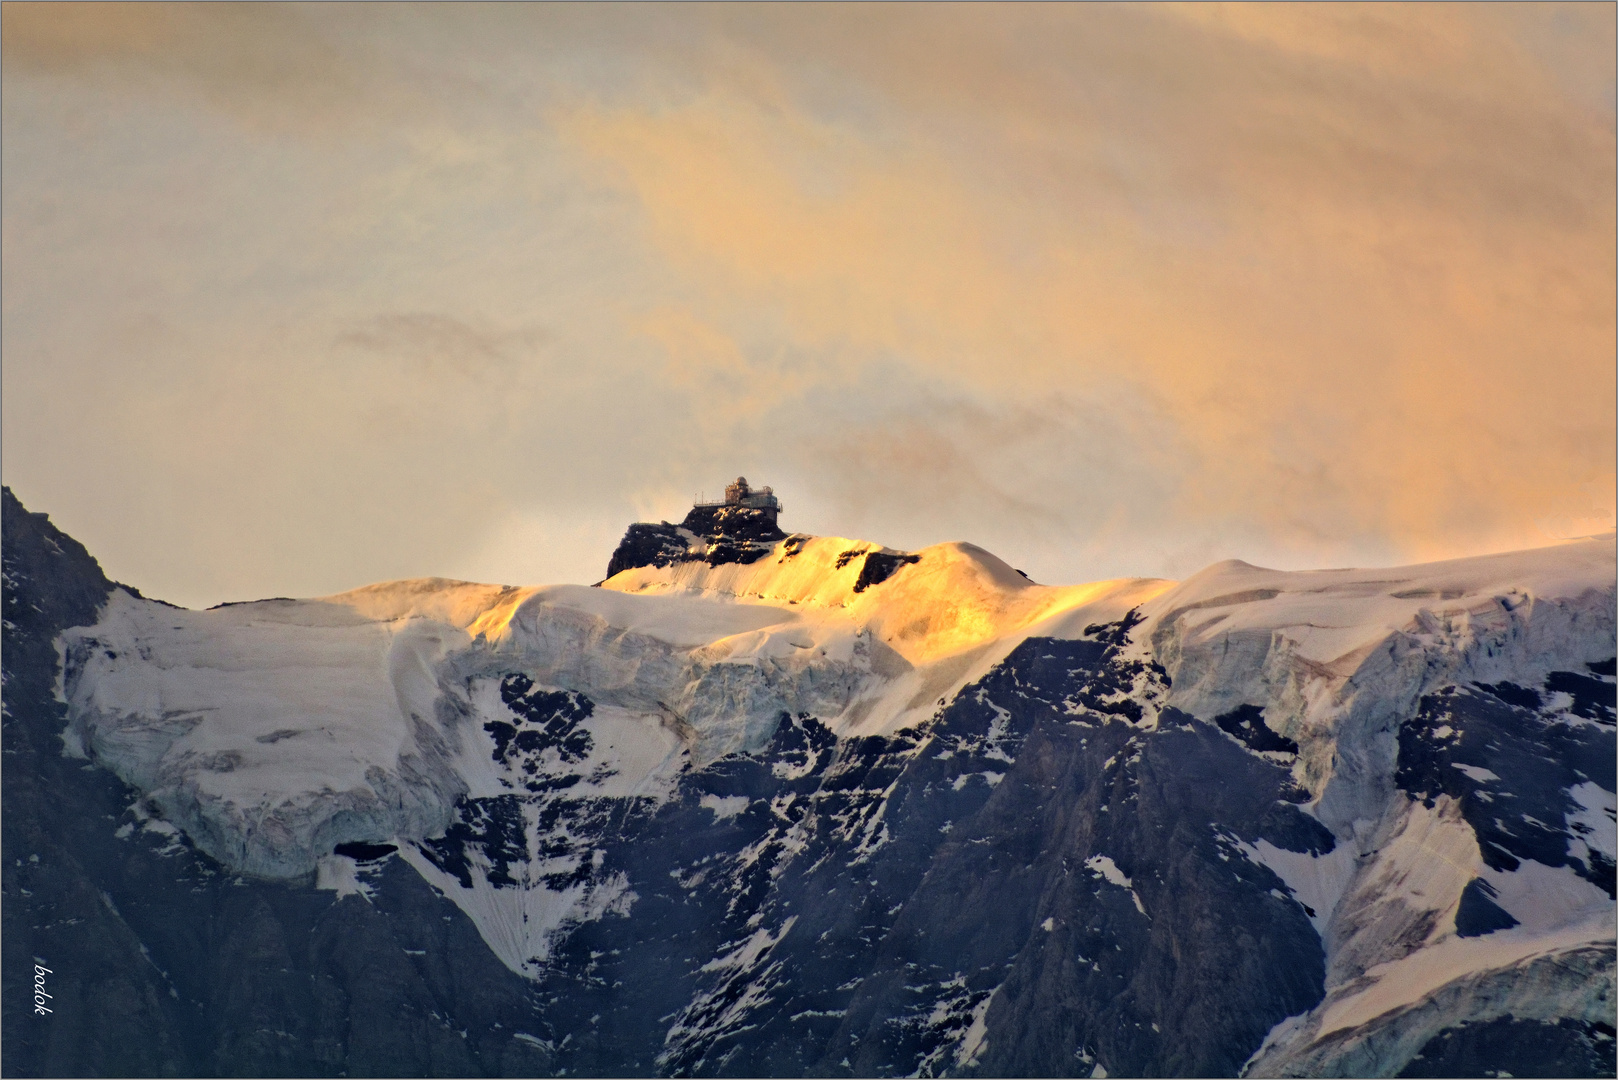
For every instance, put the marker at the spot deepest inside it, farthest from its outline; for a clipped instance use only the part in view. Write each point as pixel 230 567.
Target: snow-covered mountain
pixel 762 804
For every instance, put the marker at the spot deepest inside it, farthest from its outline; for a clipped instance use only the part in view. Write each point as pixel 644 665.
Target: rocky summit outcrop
pixel 824 809
pixel 709 534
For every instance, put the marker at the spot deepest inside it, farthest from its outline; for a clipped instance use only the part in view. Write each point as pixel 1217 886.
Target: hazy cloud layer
pixel 302 297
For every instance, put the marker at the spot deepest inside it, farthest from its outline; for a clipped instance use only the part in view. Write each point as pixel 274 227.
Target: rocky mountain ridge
pixel 783 815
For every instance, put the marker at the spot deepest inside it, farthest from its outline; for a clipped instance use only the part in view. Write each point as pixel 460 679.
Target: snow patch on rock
pixel 1104 867
pixel 1315 881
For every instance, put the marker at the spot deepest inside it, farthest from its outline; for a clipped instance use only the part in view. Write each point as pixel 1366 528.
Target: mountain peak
pixel 740 528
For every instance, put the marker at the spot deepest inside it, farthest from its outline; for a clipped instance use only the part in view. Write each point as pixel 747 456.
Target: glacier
pixel 937 818
pixel 272 731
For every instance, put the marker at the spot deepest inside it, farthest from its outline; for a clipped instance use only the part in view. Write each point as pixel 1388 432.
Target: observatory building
pixel 744 495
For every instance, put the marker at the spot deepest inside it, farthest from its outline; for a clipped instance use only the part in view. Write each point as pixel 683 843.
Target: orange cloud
pixel 1373 287
pixel 1107 288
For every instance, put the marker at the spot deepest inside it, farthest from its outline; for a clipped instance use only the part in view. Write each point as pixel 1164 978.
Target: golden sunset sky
pixel 299 298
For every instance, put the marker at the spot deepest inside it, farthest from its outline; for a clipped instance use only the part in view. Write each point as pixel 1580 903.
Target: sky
pixel 297 298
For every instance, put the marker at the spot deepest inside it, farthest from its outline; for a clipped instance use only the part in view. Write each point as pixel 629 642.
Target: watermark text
pixel 40 996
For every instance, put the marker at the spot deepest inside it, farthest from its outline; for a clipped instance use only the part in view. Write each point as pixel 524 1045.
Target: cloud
pixel 265 64
pixel 1362 259
pixel 381 290
pixel 429 343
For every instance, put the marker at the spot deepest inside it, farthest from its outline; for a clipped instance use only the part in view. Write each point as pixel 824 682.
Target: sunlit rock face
pixel 829 809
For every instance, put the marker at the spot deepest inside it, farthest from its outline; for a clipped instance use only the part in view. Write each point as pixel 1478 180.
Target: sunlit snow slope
pixel 1441 728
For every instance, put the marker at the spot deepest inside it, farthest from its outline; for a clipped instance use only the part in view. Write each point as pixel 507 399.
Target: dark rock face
pixel 879 566
pixel 362 852
pixel 875 566
pixel 733 534
pixel 888 905
pixel 546 718
pixel 1509 1047
pixel 649 545
pixel 710 534
pixel 1512 763
pixel 735 522
pixel 1246 724
pixel 1478 914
